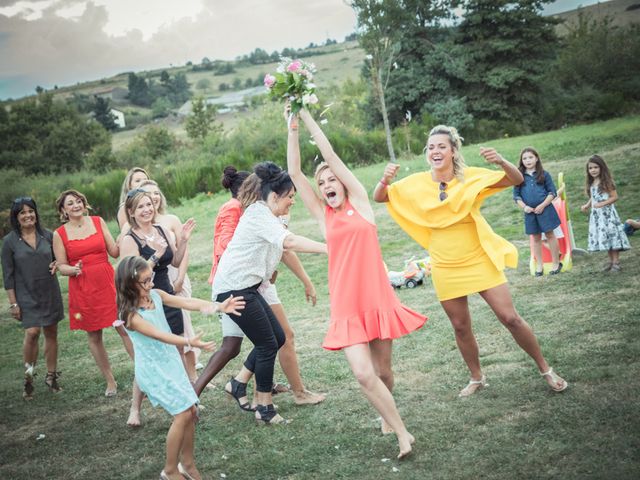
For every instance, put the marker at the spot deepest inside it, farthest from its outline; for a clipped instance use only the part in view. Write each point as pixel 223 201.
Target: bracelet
pixel 154 258
pixel 12 306
pixel 383 182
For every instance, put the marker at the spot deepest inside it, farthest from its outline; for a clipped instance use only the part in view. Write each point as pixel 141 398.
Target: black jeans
pixel 261 326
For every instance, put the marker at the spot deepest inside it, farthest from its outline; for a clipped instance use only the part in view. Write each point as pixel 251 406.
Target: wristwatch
pixel 154 258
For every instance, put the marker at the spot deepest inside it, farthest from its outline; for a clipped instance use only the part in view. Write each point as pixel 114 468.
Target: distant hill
pixel 621 12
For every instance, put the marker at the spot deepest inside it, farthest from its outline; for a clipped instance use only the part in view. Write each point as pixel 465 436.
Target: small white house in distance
pixel 119 117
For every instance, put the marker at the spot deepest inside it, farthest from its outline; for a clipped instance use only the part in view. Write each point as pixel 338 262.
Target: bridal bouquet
pixel 292 82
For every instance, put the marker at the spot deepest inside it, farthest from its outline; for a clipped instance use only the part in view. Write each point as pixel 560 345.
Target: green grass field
pixel 586 321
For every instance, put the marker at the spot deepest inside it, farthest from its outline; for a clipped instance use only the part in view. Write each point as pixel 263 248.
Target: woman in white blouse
pixel 253 253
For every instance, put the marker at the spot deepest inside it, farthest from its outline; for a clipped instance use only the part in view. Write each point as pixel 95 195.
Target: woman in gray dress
pixel 34 293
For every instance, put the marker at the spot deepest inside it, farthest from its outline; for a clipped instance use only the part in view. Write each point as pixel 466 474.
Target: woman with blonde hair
pixel 440 209
pixel 131 181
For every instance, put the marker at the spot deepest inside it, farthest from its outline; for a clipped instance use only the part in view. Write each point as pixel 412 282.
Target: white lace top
pixel 254 251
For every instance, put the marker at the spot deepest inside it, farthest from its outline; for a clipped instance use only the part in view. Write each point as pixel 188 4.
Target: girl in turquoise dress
pixel 159 369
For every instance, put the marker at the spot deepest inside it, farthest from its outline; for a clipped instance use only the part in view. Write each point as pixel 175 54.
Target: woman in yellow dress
pixel 440 209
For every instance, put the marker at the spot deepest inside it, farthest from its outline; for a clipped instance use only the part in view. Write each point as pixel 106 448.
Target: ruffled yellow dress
pixel 466 255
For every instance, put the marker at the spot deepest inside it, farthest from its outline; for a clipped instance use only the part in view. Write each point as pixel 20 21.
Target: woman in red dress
pixel 81 246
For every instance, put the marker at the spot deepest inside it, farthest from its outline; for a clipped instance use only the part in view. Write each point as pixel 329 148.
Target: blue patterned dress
pixel 159 369
pixel 605 229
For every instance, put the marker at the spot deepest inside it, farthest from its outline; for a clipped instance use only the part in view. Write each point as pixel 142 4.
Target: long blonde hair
pixel 162 208
pixel 126 184
pixel 456 144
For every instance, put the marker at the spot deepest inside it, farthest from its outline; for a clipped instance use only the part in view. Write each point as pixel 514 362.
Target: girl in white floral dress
pixel 605 229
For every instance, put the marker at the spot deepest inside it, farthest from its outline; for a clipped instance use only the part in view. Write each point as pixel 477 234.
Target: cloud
pixel 55 50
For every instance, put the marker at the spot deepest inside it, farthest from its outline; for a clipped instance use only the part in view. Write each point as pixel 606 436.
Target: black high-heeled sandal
pixel 238 391
pixel 51 380
pixel 268 415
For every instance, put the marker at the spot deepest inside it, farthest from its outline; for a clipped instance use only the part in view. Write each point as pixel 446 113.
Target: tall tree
pixel 379 32
pixel 509 45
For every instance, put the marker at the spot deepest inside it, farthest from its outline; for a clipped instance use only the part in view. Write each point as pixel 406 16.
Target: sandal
pixel 555 378
pixel 51 380
pixel 267 415
pixel 27 392
pixel 471 387
pixel 238 391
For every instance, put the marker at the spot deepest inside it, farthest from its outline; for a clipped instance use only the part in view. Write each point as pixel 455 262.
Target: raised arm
pixel 183 241
pixel 304 187
pixel 513 176
pixel 380 194
pixel 357 193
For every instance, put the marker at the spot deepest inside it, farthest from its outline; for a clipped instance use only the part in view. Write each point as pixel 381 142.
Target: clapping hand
pixel 232 305
pixel 187 229
pixel 492 156
pixel 206 346
pixel 158 243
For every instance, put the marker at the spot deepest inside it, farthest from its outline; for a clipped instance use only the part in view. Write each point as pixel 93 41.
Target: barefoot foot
pixel 134 418
pixel 405 445
pixel 305 397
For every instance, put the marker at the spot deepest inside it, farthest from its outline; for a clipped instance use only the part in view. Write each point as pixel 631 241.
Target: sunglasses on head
pixel 23 199
pixel 443 195
pixel 134 192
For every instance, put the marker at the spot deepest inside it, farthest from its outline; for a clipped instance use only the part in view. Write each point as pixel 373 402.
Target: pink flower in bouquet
pixel 295 66
pixel 269 80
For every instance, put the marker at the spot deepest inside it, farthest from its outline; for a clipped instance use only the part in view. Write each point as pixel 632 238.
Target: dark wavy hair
pixel 606 180
pixel 539 169
pixel 16 208
pixel 127 277
pixel 273 179
pixel 232 179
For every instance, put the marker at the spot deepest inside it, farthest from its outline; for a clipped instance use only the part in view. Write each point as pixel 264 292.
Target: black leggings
pixel 260 325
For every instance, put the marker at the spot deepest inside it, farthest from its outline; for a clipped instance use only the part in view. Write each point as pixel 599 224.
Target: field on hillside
pixel 586 321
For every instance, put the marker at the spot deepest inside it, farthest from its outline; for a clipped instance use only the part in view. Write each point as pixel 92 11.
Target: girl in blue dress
pixel 159 370
pixel 534 196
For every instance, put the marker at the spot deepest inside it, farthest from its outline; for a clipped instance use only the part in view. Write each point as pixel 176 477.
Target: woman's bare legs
pixel 30 345
pixel 96 346
pixel 50 347
pixel 499 299
pixel 229 349
pixel 289 361
pixel 381 353
pixel 361 363
pixel 190 365
pixel 457 309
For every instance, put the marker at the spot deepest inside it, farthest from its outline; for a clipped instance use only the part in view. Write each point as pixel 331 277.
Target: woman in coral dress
pixel 82 246
pixel 366 315
pixel 440 209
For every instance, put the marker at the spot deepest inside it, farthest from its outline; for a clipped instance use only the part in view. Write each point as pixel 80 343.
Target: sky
pixel 61 42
